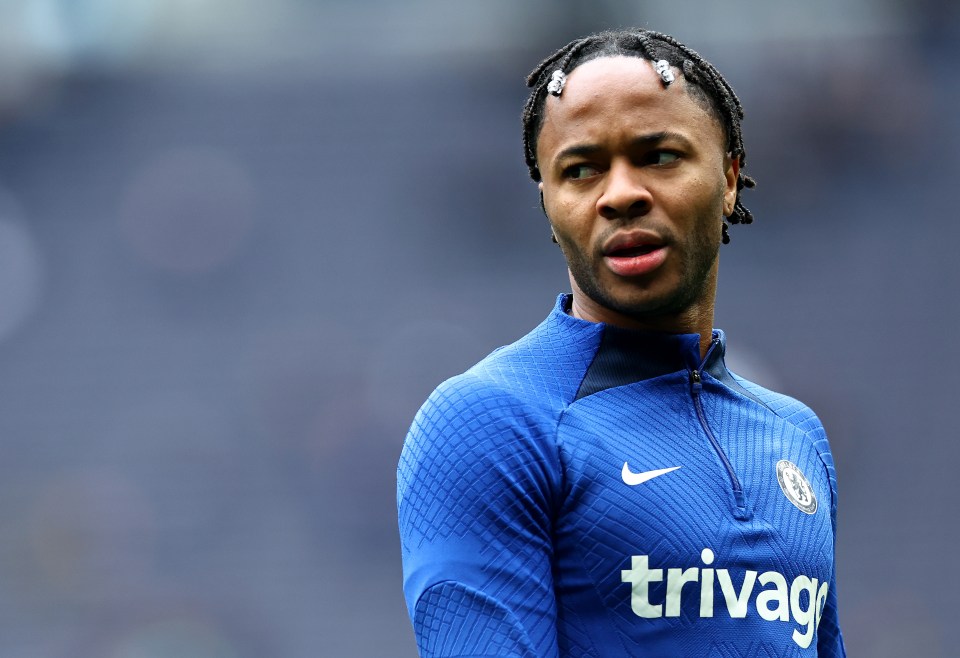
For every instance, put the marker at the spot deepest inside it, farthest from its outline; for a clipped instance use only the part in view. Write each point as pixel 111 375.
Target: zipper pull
pixel 695 378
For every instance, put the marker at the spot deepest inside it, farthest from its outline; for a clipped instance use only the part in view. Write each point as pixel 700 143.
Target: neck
pixel 691 321
pixel 695 318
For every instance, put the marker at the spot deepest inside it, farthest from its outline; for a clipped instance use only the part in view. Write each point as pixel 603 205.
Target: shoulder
pixel 796 413
pixel 503 412
pixel 537 375
pixel 789 409
pixel 475 445
pixel 802 417
pixel 488 407
pixel 471 403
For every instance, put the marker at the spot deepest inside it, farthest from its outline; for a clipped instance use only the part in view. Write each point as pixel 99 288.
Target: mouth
pixel 633 251
pixel 635 255
pixel 632 243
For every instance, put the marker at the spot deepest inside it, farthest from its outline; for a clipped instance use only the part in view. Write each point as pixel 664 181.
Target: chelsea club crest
pixel 796 487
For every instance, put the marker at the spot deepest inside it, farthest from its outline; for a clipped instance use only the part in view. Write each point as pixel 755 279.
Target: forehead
pixel 611 95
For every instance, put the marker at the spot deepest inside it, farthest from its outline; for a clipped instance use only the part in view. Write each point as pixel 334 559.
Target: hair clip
pixel 557 81
pixel 662 67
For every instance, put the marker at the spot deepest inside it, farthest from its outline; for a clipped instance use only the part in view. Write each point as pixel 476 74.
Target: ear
pixel 731 172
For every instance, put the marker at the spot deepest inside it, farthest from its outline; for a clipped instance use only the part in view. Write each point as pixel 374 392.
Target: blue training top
pixel 591 491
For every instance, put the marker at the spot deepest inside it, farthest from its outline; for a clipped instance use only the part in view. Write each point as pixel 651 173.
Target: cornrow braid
pixel 704 82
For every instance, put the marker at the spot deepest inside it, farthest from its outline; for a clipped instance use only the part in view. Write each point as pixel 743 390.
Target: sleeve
pixel 475 486
pixel 829 637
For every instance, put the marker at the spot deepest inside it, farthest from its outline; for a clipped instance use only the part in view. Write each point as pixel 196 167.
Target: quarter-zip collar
pixel 627 356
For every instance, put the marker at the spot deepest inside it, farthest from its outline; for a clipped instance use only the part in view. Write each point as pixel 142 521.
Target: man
pixel 605 486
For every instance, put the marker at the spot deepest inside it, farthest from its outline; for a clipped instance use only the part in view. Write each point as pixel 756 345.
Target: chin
pixel 650 300
pixel 654 302
pixel 648 309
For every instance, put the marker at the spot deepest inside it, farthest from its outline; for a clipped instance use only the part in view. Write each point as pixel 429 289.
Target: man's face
pixel 635 181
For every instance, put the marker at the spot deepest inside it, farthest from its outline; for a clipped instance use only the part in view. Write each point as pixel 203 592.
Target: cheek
pixel 567 211
pixel 576 234
pixel 702 199
pixel 555 212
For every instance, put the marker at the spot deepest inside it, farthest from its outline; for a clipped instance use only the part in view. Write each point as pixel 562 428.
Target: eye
pixel 663 157
pixel 580 171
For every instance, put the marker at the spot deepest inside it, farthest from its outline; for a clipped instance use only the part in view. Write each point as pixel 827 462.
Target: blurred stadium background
pixel 241 241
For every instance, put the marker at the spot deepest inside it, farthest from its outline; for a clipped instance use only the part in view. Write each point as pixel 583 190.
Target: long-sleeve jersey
pixel 592 491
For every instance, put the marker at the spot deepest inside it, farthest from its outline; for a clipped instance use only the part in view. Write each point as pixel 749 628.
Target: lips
pixel 630 252
pixel 635 253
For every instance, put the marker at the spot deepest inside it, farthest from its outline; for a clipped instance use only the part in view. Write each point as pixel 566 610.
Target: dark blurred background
pixel 241 241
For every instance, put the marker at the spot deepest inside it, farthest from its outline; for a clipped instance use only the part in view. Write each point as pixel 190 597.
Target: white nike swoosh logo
pixel 633 479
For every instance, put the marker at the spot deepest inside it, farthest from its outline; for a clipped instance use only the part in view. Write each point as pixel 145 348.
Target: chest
pixel 684 480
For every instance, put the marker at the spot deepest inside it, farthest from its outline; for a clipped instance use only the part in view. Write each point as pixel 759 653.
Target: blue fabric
pixel 521 538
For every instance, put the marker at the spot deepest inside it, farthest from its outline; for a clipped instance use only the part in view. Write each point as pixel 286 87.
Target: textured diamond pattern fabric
pixel 520 536
pixel 450 616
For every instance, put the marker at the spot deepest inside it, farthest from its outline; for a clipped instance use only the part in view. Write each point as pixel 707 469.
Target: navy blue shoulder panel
pixel 718 370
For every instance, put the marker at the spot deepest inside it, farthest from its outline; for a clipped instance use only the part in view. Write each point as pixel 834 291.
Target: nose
pixel 625 195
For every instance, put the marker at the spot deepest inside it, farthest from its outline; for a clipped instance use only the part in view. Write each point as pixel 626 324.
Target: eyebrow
pixel 643 141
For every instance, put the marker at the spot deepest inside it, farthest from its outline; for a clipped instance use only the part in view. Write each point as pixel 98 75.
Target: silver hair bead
pixel 662 67
pixel 557 81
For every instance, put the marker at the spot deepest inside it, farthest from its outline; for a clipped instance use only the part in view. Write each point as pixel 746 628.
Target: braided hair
pixel 704 83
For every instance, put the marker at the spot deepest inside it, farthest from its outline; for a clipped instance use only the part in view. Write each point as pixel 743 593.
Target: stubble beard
pixel 691 289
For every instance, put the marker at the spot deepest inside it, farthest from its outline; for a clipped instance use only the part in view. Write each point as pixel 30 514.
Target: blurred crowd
pixel 241 242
